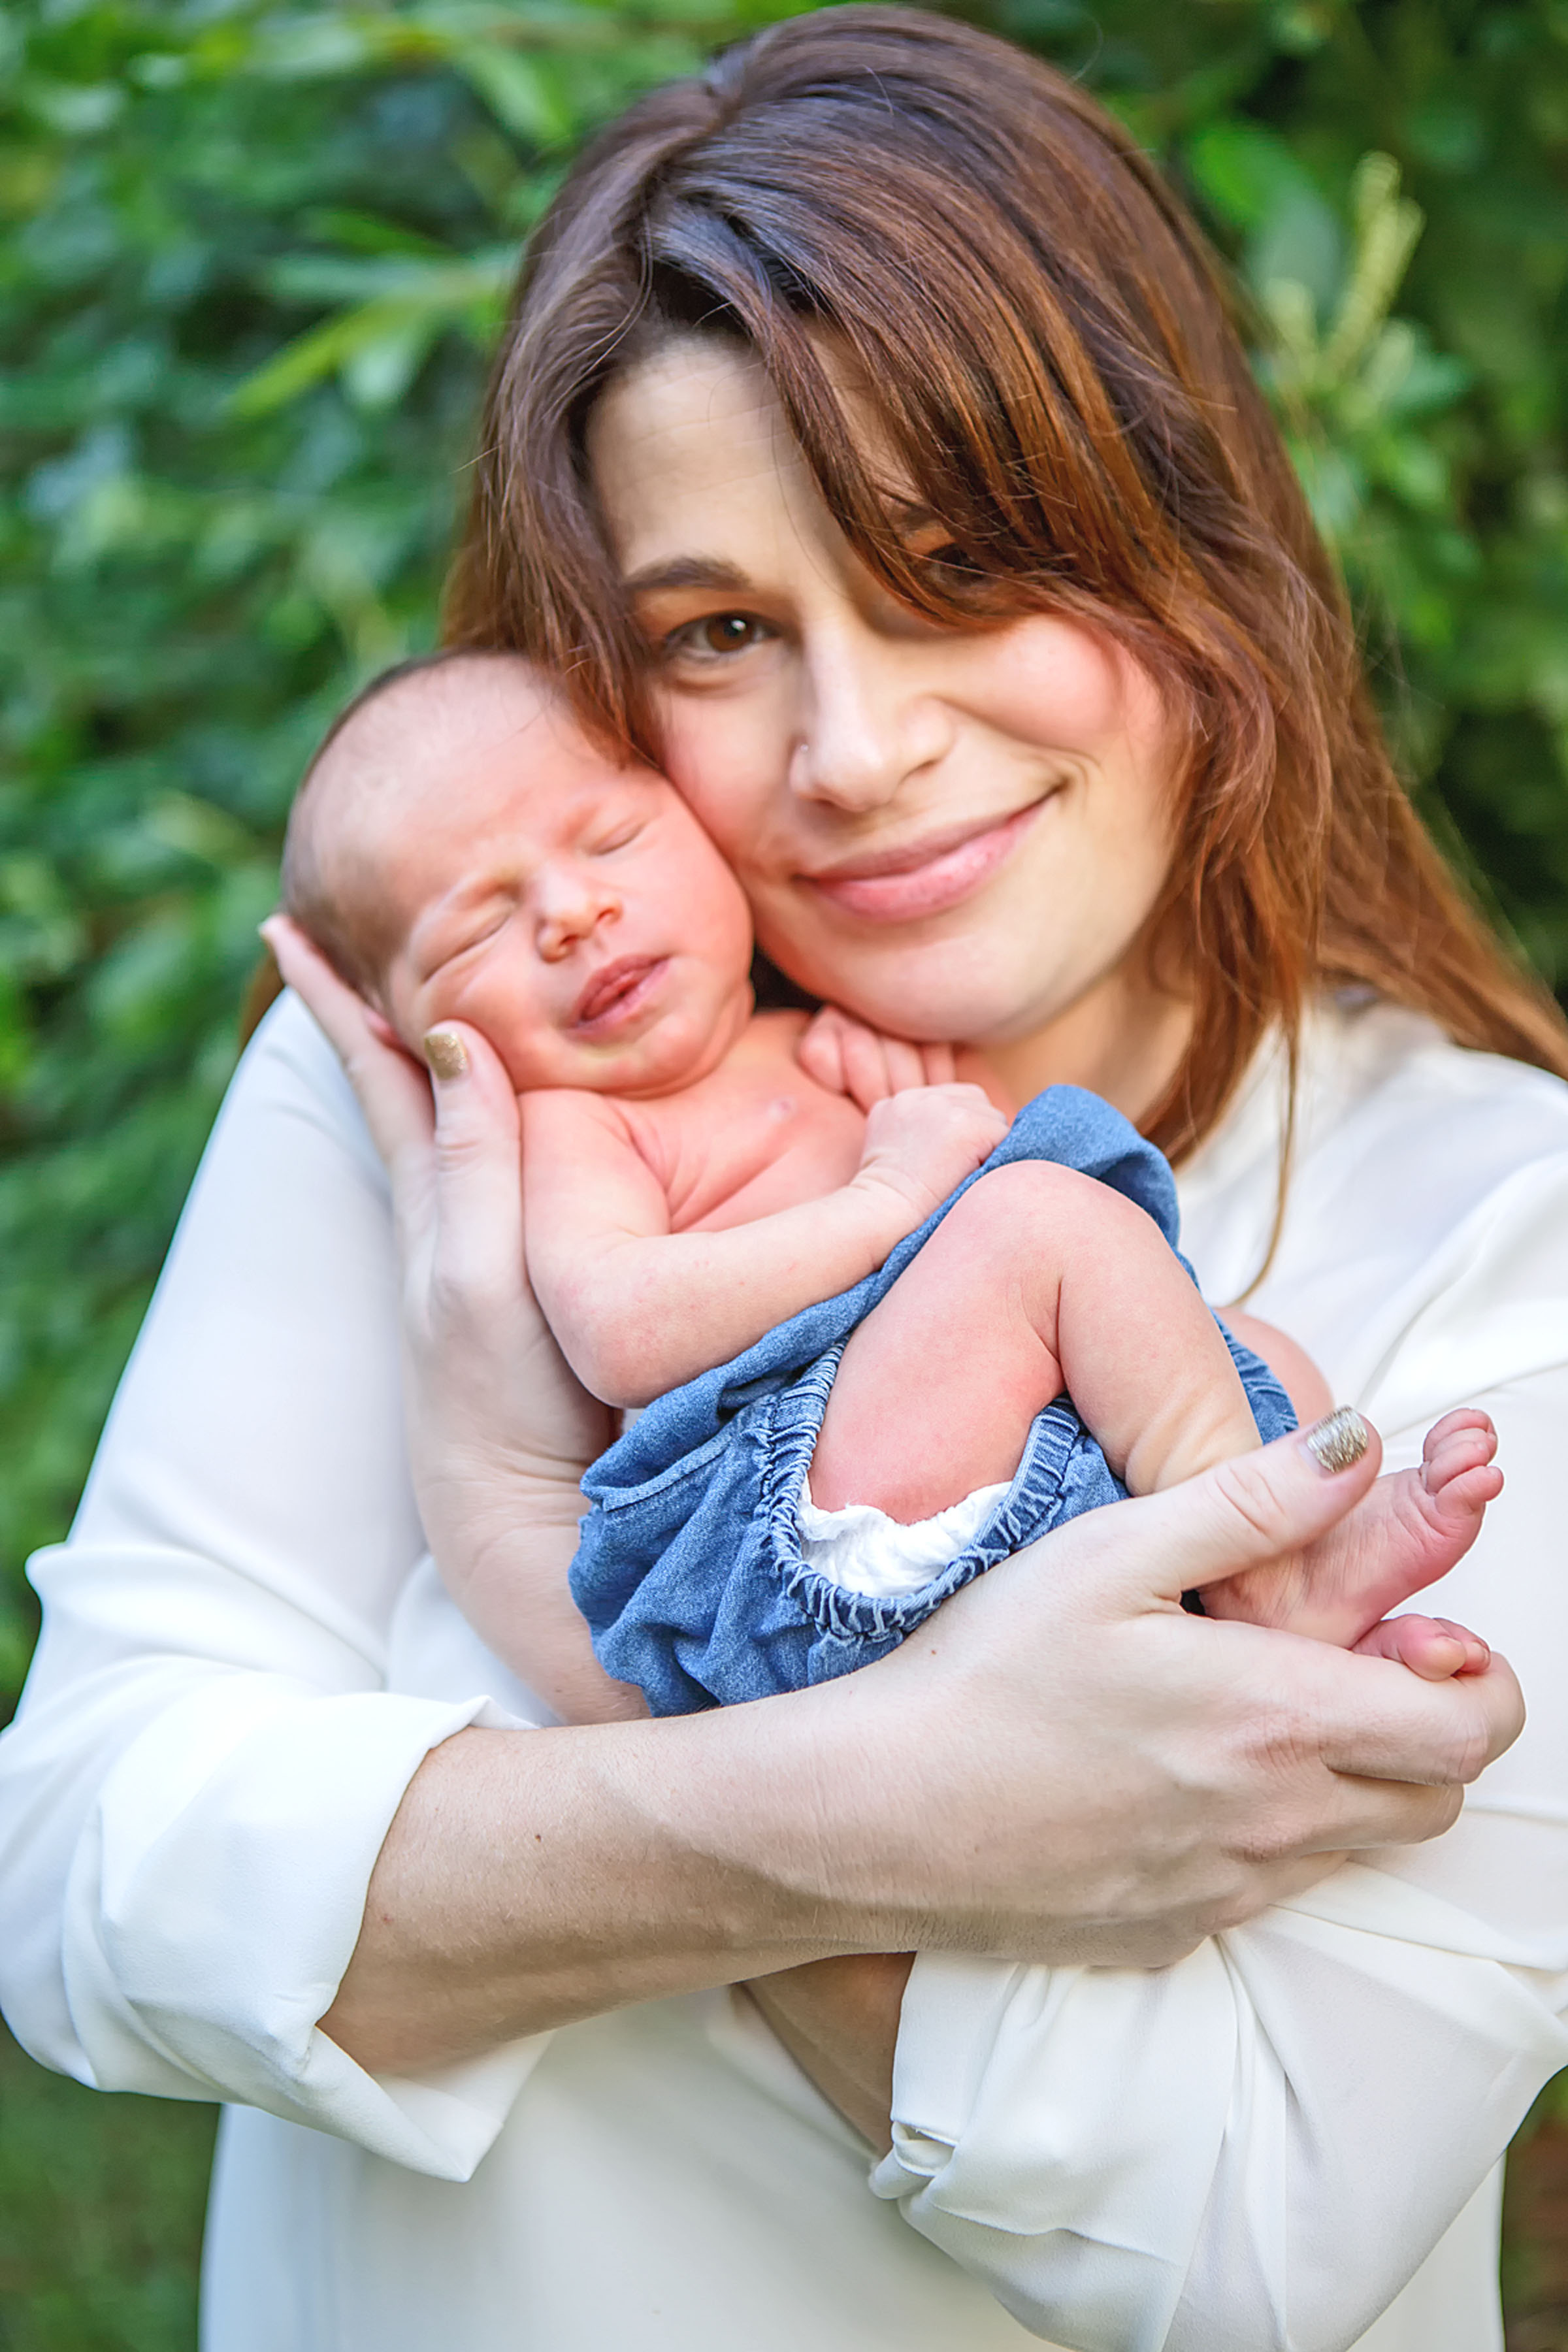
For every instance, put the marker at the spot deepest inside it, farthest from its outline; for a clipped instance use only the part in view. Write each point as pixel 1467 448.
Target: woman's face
pixel 954 835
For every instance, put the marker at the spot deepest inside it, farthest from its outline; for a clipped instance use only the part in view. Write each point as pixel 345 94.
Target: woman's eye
pixel 715 636
pixel 951 558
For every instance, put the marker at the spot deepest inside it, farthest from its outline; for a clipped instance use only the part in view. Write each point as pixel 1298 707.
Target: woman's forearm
pixel 531 1878
pixel 599 1913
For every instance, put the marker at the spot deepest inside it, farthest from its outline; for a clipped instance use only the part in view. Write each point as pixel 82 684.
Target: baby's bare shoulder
pixel 582 1151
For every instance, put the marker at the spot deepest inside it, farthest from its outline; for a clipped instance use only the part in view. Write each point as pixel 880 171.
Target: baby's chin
pixel 656 1063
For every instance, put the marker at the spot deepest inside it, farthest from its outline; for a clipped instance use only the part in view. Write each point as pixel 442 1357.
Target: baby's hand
pixel 926 1141
pixel 847 1058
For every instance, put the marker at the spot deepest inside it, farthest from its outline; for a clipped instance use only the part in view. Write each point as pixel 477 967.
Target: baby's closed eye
pixel 620 836
pixel 445 938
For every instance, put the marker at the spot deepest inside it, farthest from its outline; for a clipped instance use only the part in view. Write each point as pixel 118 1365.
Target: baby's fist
pixel 925 1143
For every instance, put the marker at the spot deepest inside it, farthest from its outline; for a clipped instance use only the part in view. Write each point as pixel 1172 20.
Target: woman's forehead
pixel 698 475
pixel 689 440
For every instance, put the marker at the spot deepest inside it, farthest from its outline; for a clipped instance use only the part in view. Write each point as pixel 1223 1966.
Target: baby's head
pixel 460 850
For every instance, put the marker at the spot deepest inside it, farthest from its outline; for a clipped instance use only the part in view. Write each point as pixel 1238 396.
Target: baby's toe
pixel 1436 1648
pixel 1461 1499
pixel 1458 1441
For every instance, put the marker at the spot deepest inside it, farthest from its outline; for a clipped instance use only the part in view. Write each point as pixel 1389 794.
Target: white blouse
pixel 246 1654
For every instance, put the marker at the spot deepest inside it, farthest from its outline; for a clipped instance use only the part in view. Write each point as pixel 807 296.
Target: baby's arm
pixel 638 1310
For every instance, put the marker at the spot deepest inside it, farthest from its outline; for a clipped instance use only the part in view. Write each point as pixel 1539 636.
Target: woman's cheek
pixel 1061 686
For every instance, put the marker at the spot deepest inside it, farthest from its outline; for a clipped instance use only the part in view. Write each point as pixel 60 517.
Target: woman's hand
pixel 500 1430
pixel 1061 1766
pixel 1156 1775
pixel 1283 1739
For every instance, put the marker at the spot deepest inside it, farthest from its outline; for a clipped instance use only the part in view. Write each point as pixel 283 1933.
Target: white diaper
pixel 861 1549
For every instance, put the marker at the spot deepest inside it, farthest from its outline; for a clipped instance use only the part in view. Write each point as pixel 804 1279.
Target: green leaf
pixel 520 92
pixel 1246 173
pixel 379 344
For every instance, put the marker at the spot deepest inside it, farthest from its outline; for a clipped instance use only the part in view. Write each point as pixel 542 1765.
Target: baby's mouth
pixel 616 993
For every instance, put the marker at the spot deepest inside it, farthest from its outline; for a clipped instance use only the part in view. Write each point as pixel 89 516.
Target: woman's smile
pixel 924 877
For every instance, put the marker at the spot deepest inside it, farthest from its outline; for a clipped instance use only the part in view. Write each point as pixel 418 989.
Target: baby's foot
pixel 1409 1531
pixel 1433 1647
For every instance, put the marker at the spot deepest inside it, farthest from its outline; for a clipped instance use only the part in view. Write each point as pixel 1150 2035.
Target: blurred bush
pixel 101 2214
pixel 252 259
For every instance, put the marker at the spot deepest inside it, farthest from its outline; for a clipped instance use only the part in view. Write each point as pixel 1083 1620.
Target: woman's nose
pixel 569 908
pixel 868 723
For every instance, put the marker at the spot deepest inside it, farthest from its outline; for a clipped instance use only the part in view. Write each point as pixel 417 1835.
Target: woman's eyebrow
pixel 910 516
pixel 685 571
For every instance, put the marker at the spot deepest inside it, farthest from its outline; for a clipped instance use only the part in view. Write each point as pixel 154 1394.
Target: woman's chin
pixel 933 999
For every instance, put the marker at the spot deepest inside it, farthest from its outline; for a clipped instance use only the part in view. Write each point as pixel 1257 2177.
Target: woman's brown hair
pixel 1051 347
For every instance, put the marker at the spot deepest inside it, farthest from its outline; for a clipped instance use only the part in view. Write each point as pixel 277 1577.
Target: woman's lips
pixel 902 886
pixel 616 994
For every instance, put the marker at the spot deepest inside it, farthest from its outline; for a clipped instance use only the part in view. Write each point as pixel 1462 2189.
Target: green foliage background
pixel 252 259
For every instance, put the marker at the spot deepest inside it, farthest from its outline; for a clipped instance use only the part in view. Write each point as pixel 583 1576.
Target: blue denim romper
pixel 689 1570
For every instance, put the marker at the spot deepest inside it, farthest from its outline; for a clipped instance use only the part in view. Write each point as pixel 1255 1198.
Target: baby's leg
pixel 1040 1279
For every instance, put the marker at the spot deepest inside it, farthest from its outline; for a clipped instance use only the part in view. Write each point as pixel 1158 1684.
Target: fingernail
pixel 1338 1441
pixel 447 1056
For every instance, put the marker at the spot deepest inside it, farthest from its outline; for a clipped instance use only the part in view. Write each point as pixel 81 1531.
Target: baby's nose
pixel 568 916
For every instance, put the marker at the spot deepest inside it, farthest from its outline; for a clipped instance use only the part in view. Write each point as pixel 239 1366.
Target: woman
pixel 869 436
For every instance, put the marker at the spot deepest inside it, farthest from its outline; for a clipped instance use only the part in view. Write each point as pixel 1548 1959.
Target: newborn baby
pixel 906 1337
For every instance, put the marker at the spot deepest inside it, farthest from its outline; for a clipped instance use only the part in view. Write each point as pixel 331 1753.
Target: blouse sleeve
pixel 206 1759
pixel 1257 2148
